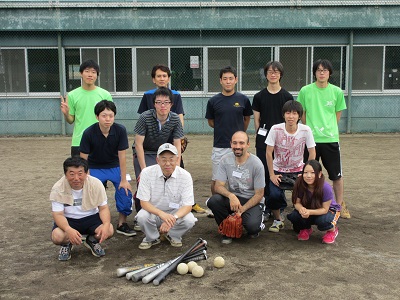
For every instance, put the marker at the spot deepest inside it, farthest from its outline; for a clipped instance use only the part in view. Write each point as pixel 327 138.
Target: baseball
pixel 197 271
pixel 191 265
pixel 219 262
pixel 182 268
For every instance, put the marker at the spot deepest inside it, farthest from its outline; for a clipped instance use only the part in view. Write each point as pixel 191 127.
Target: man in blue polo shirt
pixel 104 145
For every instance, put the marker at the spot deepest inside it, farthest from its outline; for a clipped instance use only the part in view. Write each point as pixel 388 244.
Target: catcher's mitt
pixel 184 143
pixel 287 181
pixel 231 226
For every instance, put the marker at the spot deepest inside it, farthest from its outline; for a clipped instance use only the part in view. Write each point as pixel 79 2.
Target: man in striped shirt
pixel 154 128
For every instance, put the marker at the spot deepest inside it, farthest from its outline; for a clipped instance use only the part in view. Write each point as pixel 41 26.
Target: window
pixel 392 67
pixel 337 56
pixel 253 61
pixel 146 59
pixel 72 74
pixel 219 58
pixel 12 71
pixel 43 70
pixel 295 63
pixel 367 68
pixel 187 69
pixel 123 69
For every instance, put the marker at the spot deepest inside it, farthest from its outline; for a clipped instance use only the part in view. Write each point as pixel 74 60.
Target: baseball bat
pixel 155 273
pixel 130 274
pixel 189 257
pixel 200 242
pixel 196 253
pixel 139 275
pixel 196 258
pixel 122 271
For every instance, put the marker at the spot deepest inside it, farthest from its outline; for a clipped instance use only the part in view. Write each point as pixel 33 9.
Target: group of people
pixel 251 186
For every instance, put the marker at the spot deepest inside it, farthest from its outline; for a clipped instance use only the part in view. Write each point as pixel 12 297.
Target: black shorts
pixel 329 153
pixel 86 225
pixel 75 151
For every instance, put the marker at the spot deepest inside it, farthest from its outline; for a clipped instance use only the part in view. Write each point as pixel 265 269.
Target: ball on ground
pixel 191 265
pixel 182 268
pixel 198 271
pixel 219 262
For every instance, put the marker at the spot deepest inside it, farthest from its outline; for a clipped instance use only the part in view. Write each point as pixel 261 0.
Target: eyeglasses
pixel 322 70
pixel 163 102
pixel 273 72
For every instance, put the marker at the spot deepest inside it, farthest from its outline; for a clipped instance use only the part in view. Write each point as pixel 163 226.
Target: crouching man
pixel 166 196
pixel 79 207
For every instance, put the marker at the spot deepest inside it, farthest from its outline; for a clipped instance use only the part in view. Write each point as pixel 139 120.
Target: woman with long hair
pixel 315 204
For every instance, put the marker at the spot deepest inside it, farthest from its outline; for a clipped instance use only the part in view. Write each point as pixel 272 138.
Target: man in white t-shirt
pixel 285 150
pixel 79 207
pixel 166 196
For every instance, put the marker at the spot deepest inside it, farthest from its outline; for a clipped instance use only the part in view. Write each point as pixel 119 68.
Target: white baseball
pixel 191 265
pixel 197 271
pixel 219 262
pixel 182 268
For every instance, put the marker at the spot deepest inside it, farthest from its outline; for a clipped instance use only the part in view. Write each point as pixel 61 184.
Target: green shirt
pixel 81 105
pixel 320 106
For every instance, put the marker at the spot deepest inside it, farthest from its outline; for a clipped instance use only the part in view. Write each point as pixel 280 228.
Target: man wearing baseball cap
pixel 166 196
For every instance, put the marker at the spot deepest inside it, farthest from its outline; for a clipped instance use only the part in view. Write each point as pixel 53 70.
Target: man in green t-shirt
pixel 323 104
pixel 78 106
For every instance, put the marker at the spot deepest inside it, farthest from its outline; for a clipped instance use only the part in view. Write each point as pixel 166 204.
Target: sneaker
pixel 209 213
pixel 266 215
pixel 125 230
pixel 226 240
pixel 330 236
pixel 344 213
pixel 304 234
pixel 94 246
pixel 136 226
pixel 174 243
pixel 198 209
pixel 147 245
pixel 65 252
pixel 276 226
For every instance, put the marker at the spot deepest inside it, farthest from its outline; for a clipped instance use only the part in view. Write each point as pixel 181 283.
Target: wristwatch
pixel 176 217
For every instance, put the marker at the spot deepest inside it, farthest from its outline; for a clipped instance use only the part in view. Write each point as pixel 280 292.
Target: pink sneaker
pixel 330 236
pixel 304 234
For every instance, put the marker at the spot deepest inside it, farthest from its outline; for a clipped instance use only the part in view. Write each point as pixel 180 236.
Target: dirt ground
pixel 364 262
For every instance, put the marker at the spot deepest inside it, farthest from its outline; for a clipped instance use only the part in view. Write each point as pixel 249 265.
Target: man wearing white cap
pixel 166 196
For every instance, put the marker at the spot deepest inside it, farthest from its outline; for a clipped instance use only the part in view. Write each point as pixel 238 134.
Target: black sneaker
pixel 125 230
pixel 94 246
pixel 65 252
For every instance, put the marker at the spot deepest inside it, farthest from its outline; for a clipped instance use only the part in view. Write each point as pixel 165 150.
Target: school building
pixel 42 44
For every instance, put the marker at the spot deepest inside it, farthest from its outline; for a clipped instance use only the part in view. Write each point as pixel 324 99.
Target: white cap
pixel 167 147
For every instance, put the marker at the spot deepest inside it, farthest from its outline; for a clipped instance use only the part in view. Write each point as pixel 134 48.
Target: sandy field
pixel 364 262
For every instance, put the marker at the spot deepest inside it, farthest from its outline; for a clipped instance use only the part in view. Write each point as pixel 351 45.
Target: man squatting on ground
pixel 104 145
pixel 244 174
pixel 166 196
pixel 79 206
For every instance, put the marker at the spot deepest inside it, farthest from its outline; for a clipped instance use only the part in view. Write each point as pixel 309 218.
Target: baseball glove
pixel 231 226
pixel 184 143
pixel 287 181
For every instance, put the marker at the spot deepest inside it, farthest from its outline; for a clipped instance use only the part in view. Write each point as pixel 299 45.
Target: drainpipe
pixel 350 82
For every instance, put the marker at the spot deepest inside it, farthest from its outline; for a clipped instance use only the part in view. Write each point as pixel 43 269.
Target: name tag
pixel 173 205
pixel 237 174
pixel 262 131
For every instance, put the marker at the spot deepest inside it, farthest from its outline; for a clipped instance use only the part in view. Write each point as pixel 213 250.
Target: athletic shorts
pixel 216 156
pixel 329 153
pixel 75 151
pixel 86 225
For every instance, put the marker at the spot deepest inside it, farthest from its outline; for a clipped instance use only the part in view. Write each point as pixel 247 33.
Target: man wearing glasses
pixel 154 128
pixel 323 104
